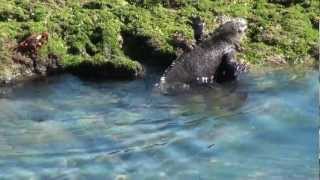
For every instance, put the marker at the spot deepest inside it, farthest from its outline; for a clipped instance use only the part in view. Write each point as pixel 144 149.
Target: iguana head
pixel 234 29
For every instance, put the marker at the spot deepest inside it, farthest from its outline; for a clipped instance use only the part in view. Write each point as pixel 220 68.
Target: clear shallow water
pixel 66 128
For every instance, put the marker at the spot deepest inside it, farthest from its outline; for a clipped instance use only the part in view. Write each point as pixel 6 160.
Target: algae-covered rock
pixel 112 38
pixel 84 40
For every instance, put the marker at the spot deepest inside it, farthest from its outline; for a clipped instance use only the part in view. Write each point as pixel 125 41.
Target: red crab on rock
pixel 32 43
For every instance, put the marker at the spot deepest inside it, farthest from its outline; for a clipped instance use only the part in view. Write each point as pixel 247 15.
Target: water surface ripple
pixel 264 127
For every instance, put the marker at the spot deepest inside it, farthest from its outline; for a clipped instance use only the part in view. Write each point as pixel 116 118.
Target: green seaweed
pixel 90 31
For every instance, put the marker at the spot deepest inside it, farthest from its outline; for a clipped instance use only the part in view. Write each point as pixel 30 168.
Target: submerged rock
pixel 121 177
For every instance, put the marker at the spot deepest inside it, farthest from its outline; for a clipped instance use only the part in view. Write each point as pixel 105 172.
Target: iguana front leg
pixel 238 47
pixel 228 69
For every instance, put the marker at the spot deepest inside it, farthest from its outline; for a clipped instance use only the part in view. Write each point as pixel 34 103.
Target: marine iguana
pixel 212 61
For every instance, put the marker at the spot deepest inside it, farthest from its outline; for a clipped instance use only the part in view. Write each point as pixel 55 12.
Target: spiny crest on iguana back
pixel 232 31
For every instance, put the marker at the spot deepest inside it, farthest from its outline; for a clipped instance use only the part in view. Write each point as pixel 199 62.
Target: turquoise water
pixel 264 127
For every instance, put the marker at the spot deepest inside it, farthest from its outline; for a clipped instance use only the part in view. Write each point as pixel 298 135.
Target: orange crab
pixel 33 42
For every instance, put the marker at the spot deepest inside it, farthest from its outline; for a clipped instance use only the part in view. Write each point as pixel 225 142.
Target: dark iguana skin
pixel 211 61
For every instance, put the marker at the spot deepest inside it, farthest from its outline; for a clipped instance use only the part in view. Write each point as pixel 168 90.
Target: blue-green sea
pixel 263 127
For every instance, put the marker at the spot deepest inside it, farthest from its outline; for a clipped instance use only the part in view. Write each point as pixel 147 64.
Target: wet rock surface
pixel 26 62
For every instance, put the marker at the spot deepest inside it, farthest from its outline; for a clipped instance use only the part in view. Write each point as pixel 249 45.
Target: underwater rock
pixel 121 177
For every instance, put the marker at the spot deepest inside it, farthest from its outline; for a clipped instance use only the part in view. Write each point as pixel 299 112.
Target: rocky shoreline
pixel 115 39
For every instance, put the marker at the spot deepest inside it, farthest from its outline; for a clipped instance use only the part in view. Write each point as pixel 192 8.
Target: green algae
pixel 91 31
